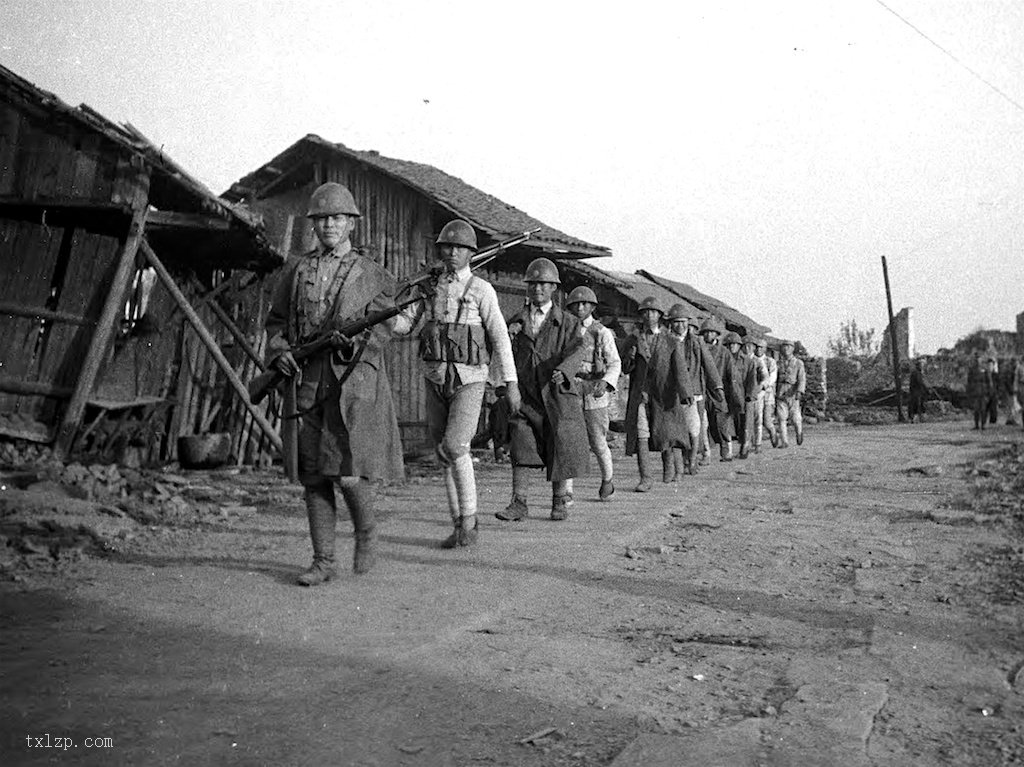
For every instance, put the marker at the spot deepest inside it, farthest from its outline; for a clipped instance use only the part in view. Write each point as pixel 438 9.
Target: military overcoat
pixel 549 430
pixel 349 426
pixel 657 367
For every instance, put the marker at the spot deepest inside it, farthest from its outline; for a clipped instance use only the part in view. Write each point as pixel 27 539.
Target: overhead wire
pixel 948 53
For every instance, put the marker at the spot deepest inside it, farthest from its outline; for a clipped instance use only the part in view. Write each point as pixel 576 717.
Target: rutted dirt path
pixel 817 605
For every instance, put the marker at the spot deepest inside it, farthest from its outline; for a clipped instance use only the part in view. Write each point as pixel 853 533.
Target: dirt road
pixel 841 603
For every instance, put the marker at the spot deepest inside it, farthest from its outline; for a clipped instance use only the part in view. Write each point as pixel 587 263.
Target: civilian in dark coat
pixel 980 388
pixel 918 392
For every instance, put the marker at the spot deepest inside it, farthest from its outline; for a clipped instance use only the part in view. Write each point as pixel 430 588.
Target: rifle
pixel 336 338
pixel 481 258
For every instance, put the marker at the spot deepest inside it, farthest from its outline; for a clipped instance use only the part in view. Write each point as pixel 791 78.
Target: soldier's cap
pixel 732 338
pixel 785 342
pixel 761 343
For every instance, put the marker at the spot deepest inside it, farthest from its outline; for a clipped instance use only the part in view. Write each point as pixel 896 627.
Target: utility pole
pixel 892 342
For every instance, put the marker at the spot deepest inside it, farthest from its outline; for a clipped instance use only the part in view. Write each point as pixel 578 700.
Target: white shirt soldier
pixel 463 333
pixel 600 376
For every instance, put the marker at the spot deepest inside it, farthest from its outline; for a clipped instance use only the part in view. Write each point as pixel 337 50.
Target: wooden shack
pixel 404 206
pixel 93 343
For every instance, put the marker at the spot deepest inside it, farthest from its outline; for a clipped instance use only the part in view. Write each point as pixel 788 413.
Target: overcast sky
pixel 766 152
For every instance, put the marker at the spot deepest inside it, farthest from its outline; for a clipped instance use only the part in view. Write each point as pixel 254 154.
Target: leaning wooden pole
pixel 892 342
pixel 105 328
pixel 211 344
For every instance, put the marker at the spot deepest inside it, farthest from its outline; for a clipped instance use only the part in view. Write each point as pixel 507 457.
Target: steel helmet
pixel 580 294
pixel 709 326
pixel 542 270
pixel 457 232
pixel 650 302
pixel 330 199
pixel 732 338
pixel 678 312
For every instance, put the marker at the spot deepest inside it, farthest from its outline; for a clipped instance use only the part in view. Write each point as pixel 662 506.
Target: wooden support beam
pixel 34 388
pixel 229 323
pixel 211 344
pixel 172 220
pixel 108 322
pixel 36 312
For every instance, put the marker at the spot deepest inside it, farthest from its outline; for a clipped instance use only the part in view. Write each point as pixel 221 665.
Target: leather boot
pixel 468 533
pixel 667 467
pixel 359 498
pixel 320 508
pixel 643 463
pixel 678 464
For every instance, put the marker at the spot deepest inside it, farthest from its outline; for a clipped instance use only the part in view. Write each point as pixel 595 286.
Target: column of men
pixel 558 369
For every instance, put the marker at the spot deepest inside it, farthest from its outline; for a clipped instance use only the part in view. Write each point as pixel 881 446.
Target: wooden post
pixel 105 327
pixel 233 329
pixel 210 343
pixel 892 342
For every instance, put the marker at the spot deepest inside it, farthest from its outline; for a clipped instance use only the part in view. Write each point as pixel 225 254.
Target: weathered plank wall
pixel 48 267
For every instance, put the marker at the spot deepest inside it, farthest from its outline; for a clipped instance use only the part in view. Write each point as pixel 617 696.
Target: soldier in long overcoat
pixel 348 433
pixel 707 386
pixel 547 431
pixel 721 425
pixel 658 385
pixel 742 380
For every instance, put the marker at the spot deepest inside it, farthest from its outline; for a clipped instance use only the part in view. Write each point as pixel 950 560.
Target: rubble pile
pixel 997 496
pixel 52 514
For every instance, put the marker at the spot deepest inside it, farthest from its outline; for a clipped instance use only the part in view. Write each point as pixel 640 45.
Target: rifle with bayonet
pixel 481 258
pixel 340 337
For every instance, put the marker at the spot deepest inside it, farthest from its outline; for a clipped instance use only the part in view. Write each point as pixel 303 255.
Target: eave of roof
pixel 486 212
pixel 129 138
pixel 706 303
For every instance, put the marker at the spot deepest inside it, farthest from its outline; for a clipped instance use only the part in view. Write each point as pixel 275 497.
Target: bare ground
pixel 854 601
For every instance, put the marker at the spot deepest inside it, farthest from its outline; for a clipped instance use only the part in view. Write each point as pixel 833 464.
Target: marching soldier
pixel 600 379
pixel 742 381
pixel 548 431
pixel 463 331
pixel 347 432
pixel 706 382
pixel 789 390
pixel 766 398
pixel 658 386
pixel 721 427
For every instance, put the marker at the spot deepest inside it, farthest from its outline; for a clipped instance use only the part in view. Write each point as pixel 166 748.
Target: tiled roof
pixel 707 304
pixel 484 211
pixel 641 284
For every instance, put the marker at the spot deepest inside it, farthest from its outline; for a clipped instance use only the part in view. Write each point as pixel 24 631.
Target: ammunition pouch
pixel 454 342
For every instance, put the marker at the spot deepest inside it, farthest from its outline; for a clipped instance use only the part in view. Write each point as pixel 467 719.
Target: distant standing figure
pixel 918 392
pixel 1018 386
pixel 980 386
pixel 789 390
pixel 992 406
